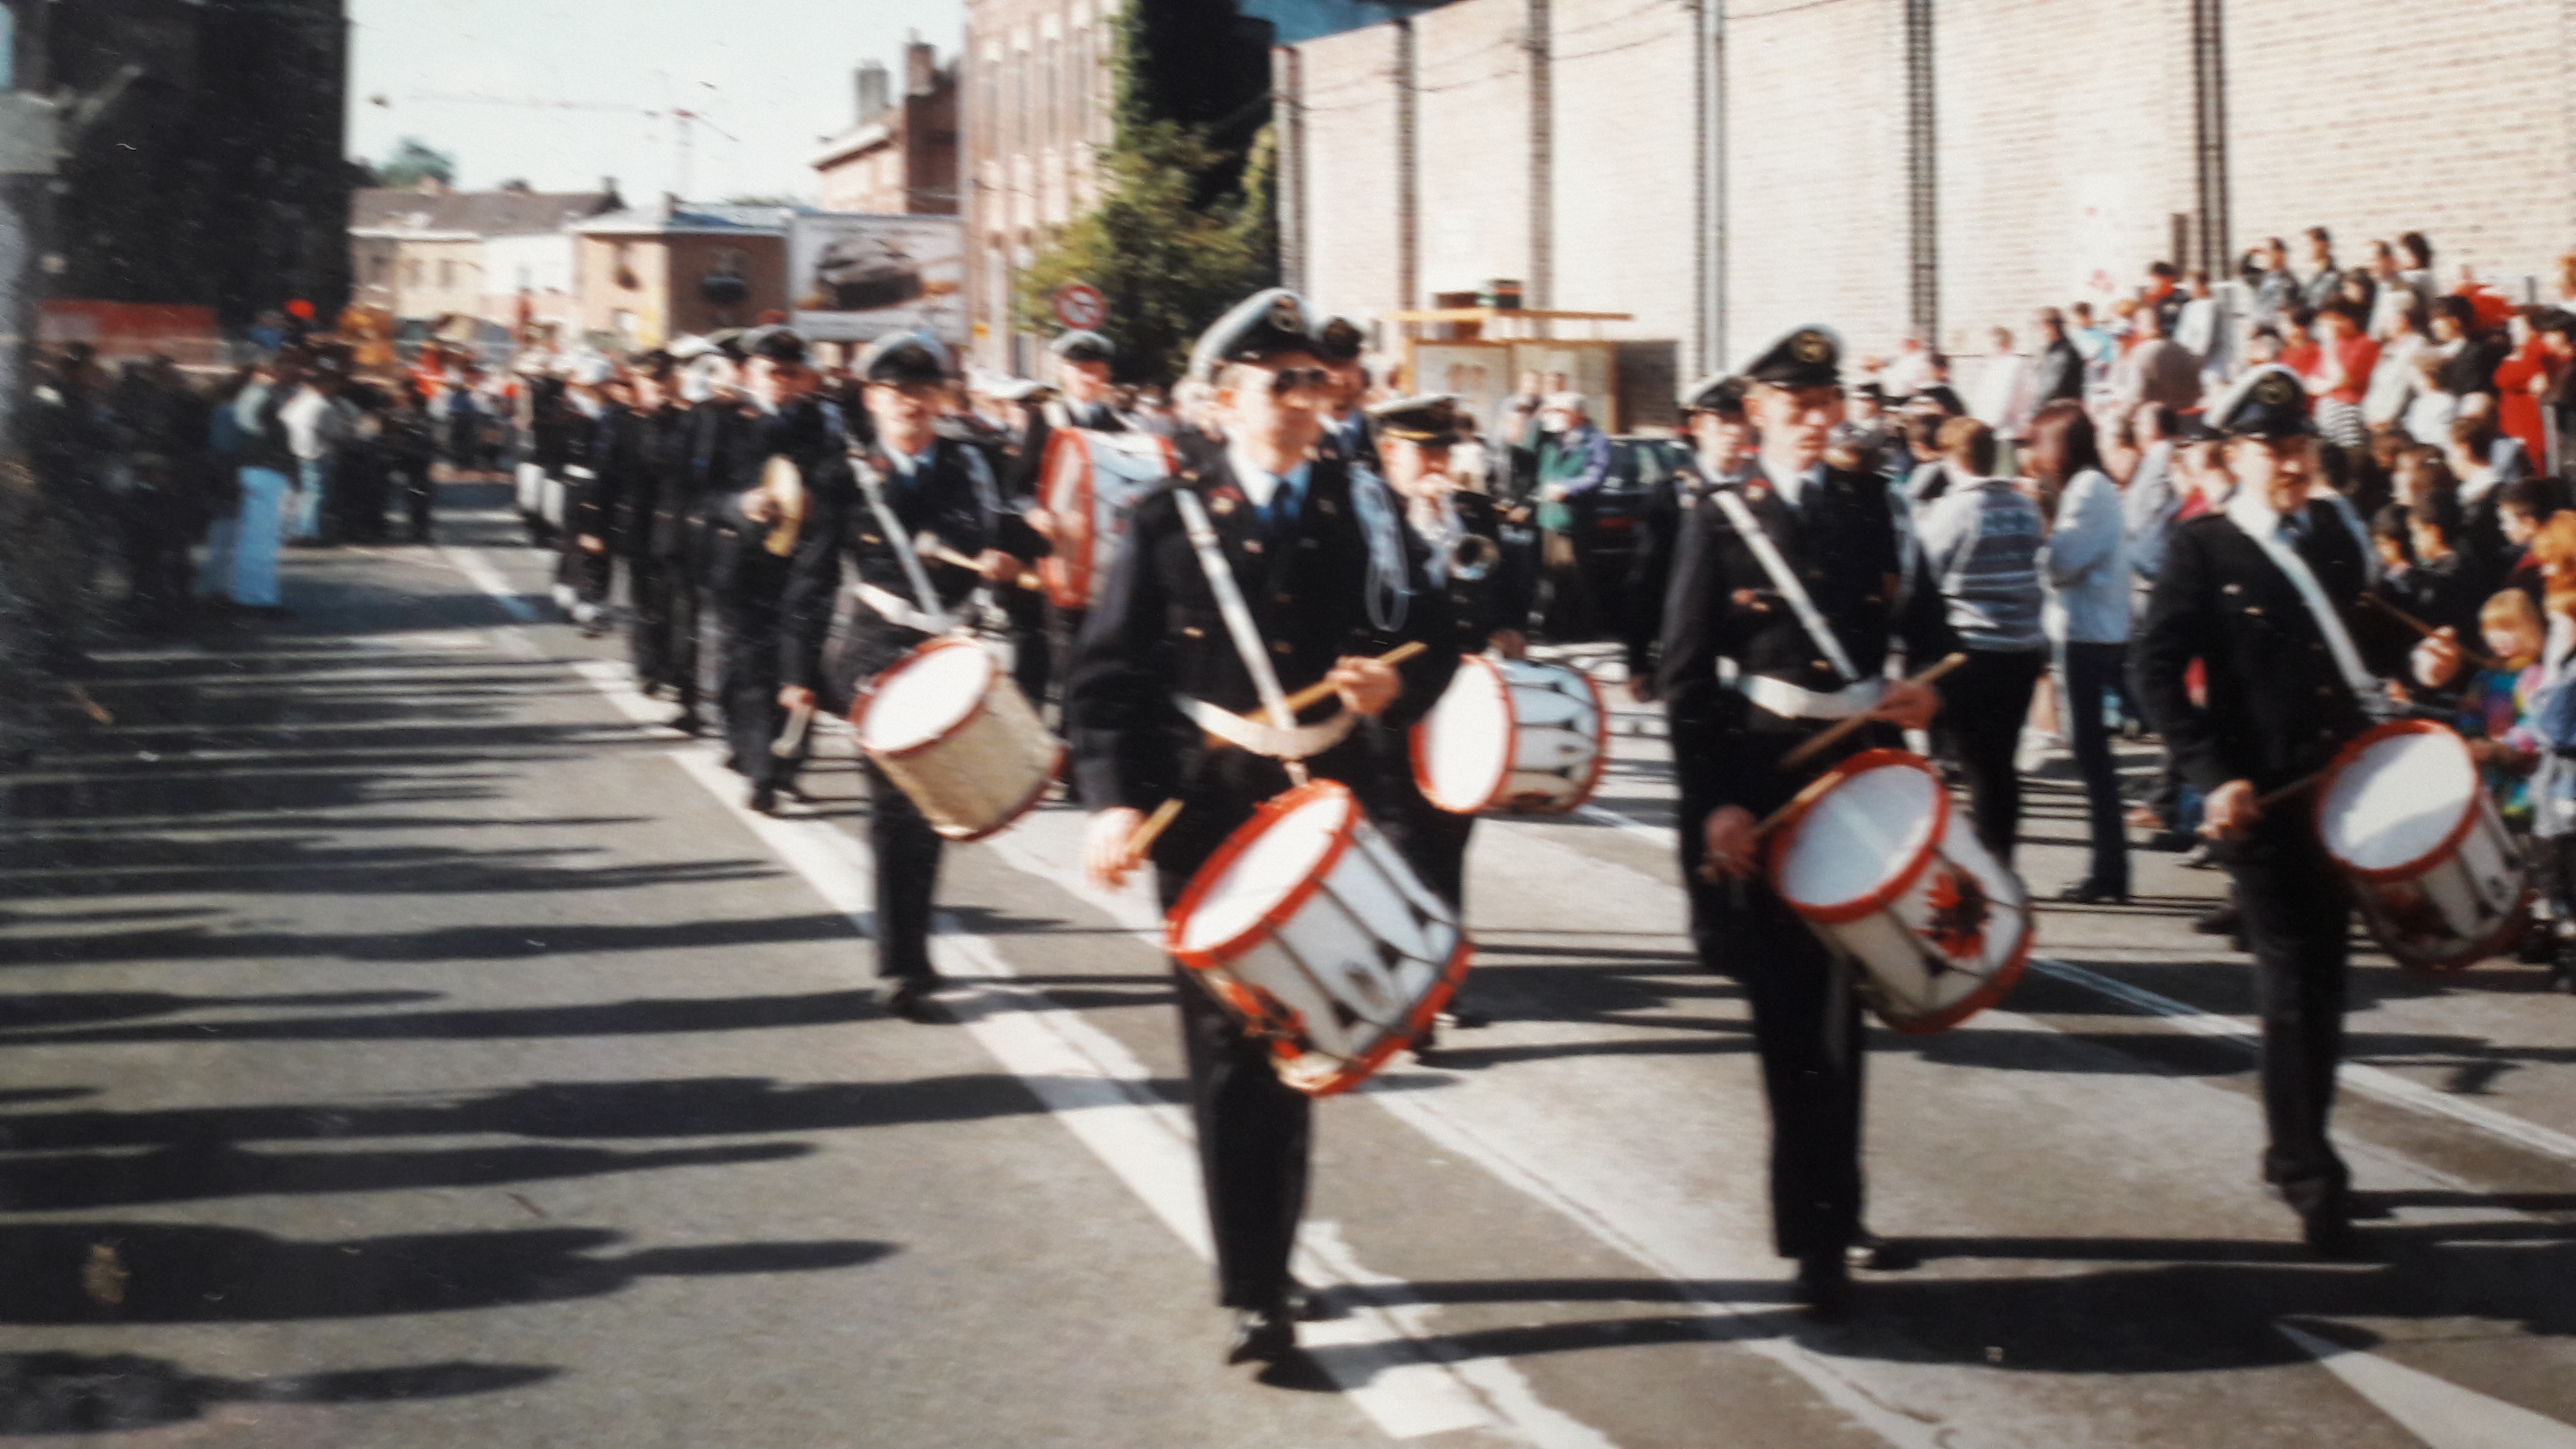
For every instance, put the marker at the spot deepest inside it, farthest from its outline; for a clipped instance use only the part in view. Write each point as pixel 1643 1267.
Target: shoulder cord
pixel 1785 580
pixel 1390 581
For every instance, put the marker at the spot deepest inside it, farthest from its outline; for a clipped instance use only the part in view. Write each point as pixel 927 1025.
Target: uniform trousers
pixel 418 496
pixel 2091 670
pixel 1032 652
pixel 2297 926
pixel 1806 1028
pixel 1255 1134
pixel 753 716
pixel 907 852
pixel 662 634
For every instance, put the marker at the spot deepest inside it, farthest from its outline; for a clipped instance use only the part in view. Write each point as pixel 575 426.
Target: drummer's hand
pixel 795 696
pixel 2231 809
pixel 1907 705
pixel 1365 685
pixel 2438 658
pixel 758 506
pixel 1510 643
pixel 996 566
pixel 1040 522
pixel 1104 846
pixel 593 543
pixel 1641 688
pixel 1731 844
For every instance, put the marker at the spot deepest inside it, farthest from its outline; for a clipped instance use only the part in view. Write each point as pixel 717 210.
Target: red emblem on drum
pixel 1959 914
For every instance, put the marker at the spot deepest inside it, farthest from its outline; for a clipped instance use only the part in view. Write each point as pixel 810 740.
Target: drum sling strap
pixel 1785 579
pixel 929 618
pixel 2254 517
pixel 1282 738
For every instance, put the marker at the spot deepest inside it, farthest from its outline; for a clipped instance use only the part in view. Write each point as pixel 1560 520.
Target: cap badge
pixel 1809 347
pixel 1286 315
pixel 2275 391
pixel 1222 505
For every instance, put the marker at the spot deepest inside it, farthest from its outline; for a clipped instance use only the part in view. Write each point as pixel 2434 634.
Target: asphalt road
pixel 404 1044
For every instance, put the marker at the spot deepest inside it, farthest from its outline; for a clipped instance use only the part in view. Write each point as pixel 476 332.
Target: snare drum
pixel 1086 480
pixel 2406 819
pixel 1313 931
pixel 1880 867
pixel 1512 734
pixel 955 734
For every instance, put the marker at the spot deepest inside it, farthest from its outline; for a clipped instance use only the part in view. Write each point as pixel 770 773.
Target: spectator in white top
pixel 2003 394
pixel 1981 546
pixel 2202 329
pixel 2153 496
pixel 318 423
pixel 2393 378
pixel 2087 619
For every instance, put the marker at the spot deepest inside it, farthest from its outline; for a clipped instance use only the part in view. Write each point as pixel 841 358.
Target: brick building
pixel 427 252
pixel 1726 169
pixel 647 275
pixel 901 157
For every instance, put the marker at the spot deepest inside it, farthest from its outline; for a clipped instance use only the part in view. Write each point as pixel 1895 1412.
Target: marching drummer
pixel 1083 365
pixel 1782 609
pixel 2266 595
pixel 1722 444
pixel 1325 576
pixel 862 523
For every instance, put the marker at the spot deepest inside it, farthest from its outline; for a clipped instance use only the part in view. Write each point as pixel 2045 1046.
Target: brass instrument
pixel 785 485
pixel 1473 557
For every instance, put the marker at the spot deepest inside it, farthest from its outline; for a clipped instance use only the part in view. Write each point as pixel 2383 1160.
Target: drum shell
pixel 1897 928
pixel 1560 740
pixel 2458 904
pixel 1361 919
pixel 1089 518
pixel 979 776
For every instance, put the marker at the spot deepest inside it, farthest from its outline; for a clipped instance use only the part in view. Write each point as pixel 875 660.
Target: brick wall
pixel 1349 116
pixel 1625 83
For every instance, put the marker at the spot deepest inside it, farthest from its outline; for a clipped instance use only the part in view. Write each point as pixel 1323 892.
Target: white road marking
pixel 480 571
pixel 2442 1414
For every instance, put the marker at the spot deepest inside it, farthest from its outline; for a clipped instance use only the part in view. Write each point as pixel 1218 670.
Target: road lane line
pixel 2441 1413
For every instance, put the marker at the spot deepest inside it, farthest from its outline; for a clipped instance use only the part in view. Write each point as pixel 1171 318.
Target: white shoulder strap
pixel 1785 579
pixel 913 573
pixel 1230 605
pixel 2259 523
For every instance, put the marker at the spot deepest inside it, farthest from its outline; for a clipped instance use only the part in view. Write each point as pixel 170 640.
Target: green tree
pixel 413 160
pixel 1167 263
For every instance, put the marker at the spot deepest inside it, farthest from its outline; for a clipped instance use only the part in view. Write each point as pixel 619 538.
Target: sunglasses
pixel 1296 379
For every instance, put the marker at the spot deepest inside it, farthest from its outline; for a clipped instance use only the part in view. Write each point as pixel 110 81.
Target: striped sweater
pixel 1981 547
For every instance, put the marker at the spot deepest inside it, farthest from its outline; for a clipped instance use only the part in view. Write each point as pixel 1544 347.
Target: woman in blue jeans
pixel 2087 617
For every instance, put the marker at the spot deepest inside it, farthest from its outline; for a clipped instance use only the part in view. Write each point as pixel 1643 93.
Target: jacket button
pixel 1820 664
pixel 2325 691
pixel 1282 646
pixel 1252 545
pixel 1282 600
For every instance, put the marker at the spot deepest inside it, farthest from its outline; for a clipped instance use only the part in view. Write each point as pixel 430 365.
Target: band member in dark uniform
pixel 1331 578
pixel 719 417
pixel 1758 654
pixel 760 533
pixel 653 501
pixel 590 491
pixel 1008 448
pixel 1713 411
pixel 924 483
pixel 2266 595
pixel 1083 362
pixel 1347 434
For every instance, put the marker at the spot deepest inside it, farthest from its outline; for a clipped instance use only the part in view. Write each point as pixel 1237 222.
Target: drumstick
pixel 1846 725
pixel 929 547
pixel 1147 833
pixel 1316 692
pixel 2264 802
pixel 2427 630
pixel 793 737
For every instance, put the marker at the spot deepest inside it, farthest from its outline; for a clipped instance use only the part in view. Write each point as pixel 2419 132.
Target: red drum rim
pixel 1360 1068
pixel 1997 987
pixel 868 698
pixel 2489 947
pixel 1263 817
pixel 1897 883
pixel 1068 582
pixel 2351 751
pixel 1511 731
pixel 1027 803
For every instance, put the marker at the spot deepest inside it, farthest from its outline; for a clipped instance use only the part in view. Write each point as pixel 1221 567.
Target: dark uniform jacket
pixel 2277 706
pixel 667 495
pixel 1842 543
pixel 590 470
pixel 1155 632
pixel 549 421
pixel 1499 600
pixel 843 542
pixel 1668 511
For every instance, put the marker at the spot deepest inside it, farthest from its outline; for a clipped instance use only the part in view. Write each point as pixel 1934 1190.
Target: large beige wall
pixel 1625 80
pixel 1349 114
pixel 1473 121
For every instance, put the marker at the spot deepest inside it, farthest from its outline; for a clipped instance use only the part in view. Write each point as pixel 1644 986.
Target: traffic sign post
pixel 1080 307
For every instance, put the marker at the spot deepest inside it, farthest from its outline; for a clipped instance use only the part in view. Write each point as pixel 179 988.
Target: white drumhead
pixel 1279 860
pixel 1859 835
pixel 927 697
pixel 2399 799
pixel 1467 739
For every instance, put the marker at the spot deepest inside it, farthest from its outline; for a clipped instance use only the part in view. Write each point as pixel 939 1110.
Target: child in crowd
pixel 2546 736
pixel 2390 539
pixel 2439 590
pixel 2495 700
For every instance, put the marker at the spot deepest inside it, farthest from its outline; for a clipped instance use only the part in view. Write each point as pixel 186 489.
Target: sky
pixel 774 75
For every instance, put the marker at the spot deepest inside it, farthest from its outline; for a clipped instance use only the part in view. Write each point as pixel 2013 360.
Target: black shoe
pixel 2328 1233
pixel 686 722
pixel 1824 1284
pixel 1262 1335
pixel 1870 1253
pixel 908 997
pixel 764 800
pixel 2538 946
pixel 2562 972
pixel 2226 920
pixel 2170 840
pixel 1464 1018
pixel 2093 893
